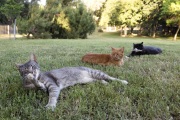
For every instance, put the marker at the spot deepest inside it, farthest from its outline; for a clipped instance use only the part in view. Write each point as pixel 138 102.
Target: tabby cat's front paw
pixel 44 89
pixel 50 106
pixel 30 76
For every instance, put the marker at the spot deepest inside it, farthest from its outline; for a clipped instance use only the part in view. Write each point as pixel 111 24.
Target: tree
pixel 131 13
pixel 60 26
pixel 171 12
pixel 150 10
pixel 72 21
pixel 35 23
pixel 11 9
pixel 109 8
pixel 96 6
pixel 81 21
pixel 121 13
pixel 3 18
pixel 54 13
pixel 57 20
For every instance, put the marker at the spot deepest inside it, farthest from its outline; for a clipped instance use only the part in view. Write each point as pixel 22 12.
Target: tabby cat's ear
pixel 33 57
pixel 18 65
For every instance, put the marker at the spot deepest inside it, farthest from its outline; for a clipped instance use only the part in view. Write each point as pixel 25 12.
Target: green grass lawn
pixel 153 91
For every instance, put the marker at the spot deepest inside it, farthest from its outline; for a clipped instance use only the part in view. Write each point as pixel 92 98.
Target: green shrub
pixel 34 24
pixel 80 21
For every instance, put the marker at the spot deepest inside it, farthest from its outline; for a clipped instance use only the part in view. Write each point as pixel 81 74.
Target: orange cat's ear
pixel 33 57
pixel 122 48
pixel 112 48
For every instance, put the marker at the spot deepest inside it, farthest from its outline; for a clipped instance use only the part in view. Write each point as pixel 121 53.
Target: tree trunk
pixel 121 32
pixel 154 30
pixel 132 28
pixel 175 36
pixel 28 35
pixel 140 31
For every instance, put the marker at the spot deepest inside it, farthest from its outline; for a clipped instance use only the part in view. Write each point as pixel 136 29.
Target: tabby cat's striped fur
pixel 55 80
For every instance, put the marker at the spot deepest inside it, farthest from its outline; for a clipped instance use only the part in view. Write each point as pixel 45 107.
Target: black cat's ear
pixel 18 65
pixel 142 43
pixel 33 57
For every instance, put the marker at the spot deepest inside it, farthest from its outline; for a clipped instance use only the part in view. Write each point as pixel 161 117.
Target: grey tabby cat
pixel 55 80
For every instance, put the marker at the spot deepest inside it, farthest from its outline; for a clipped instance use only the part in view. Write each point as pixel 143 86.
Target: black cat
pixel 140 49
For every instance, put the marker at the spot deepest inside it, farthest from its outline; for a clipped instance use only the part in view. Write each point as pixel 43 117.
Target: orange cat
pixel 115 58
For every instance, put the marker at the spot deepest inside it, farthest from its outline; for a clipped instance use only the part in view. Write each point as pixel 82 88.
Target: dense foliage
pixel 3 19
pixel 34 23
pixel 56 20
pixel 81 22
pixel 149 15
pixel 74 22
pixel 77 18
pixel 10 9
pixel 171 12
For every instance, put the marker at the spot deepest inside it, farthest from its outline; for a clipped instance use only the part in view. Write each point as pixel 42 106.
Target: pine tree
pixel 35 23
pixel 81 22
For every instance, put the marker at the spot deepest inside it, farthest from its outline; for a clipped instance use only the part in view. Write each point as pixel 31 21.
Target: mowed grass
pixel 153 91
